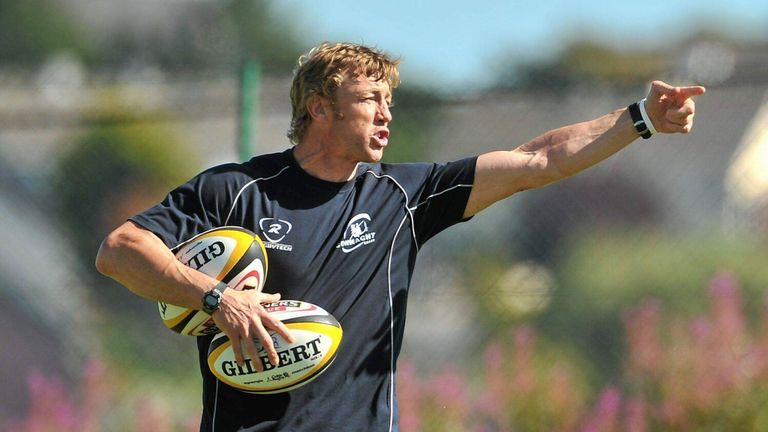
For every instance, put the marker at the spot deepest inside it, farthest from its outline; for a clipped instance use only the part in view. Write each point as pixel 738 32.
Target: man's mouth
pixel 381 136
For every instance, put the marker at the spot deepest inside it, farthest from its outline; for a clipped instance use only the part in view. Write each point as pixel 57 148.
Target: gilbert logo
pixel 203 256
pixel 274 231
pixel 295 354
pixel 357 233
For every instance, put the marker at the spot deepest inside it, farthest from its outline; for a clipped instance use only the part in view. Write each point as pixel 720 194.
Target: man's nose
pixel 384 114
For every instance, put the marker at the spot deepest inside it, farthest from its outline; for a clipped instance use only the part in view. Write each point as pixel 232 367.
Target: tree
pixel 31 30
pixel 585 62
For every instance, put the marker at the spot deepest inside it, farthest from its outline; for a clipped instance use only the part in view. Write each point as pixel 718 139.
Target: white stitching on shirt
pixel 240 192
pixel 407 201
pixel 439 193
pixel 392 330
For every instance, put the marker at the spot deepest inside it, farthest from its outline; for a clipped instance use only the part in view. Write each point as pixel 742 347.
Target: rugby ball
pixel 317 336
pixel 229 254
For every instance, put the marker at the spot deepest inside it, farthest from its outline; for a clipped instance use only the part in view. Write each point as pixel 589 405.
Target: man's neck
pixel 322 165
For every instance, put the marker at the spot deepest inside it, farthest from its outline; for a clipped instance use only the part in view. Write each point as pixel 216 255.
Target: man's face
pixel 359 129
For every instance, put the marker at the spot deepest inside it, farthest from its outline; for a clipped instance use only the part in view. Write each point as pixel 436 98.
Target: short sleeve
pixel 192 208
pixel 443 199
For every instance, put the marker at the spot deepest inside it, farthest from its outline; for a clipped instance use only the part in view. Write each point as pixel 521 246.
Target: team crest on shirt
pixel 357 233
pixel 273 231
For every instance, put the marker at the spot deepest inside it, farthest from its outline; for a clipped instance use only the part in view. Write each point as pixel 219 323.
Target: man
pixel 331 189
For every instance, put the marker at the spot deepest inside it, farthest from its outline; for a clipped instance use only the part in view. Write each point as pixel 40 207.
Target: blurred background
pixel 631 297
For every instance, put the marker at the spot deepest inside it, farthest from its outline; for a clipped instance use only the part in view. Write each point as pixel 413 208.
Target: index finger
pixel 660 88
pixel 690 91
pixel 237 348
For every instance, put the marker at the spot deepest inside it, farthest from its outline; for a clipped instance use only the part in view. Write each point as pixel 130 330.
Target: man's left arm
pixel 565 151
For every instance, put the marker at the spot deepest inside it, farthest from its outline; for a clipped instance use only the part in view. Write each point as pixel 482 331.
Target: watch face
pixel 211 300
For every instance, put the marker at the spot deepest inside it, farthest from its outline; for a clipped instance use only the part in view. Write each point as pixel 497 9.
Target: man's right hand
pixel 242 318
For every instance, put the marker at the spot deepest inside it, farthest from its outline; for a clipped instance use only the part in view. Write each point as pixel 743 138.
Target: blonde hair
pixel 321 71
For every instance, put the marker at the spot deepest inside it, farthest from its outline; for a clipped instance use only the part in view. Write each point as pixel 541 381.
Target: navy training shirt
pixel 348 247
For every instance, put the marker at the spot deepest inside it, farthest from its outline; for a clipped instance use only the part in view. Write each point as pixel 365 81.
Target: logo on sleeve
pixel 274 231
pixel 357 233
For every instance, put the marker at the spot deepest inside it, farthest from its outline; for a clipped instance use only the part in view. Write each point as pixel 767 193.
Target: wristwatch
pixel 212 298
pixel 641 126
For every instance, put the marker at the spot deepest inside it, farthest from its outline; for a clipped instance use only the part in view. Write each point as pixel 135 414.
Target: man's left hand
pixel 671 109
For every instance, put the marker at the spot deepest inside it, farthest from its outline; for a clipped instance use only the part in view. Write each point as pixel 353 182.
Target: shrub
pixel 684 373
pixel 603 273
pixel 100 402
pixel 706 373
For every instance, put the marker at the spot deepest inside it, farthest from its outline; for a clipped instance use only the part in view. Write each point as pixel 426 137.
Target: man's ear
pixel 318 108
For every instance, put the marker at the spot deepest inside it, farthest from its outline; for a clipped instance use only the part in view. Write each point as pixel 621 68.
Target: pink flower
pixel 408 395
pixel 646 354
pixel 524 378
pixel 636 415
pixel 605 416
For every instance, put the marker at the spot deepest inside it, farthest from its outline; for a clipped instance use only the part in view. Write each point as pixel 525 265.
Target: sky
pixel 459 44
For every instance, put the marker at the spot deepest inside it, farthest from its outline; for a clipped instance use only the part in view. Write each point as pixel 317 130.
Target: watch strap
pixel 637 119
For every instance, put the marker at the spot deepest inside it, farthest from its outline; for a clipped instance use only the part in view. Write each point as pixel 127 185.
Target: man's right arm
pixel 139 260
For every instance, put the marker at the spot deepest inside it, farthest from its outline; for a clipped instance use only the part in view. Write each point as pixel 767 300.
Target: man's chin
pixel 374 156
